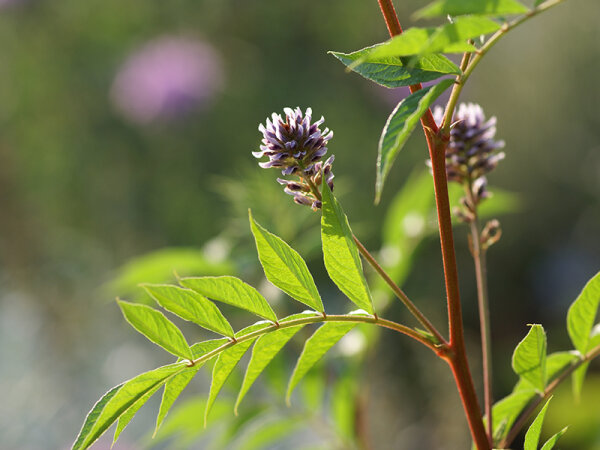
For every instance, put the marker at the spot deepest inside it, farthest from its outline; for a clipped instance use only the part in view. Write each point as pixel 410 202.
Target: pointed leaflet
pixel 117 401
pixel 232 291
pixel 582 314
pixel 223 368
pixel 190 305
pixel 550 443
pixel 506 411
pixel 393 72
pixel 285 268
pixel 556 363
pixel 479 7
pixel 265 349
pixel 340 254
pixel 315 347
pixel 529 358
pixel 400 125
pixel 448 38
pixel 133 409
pixel 173 388
pixel 532 437
pixel 156 327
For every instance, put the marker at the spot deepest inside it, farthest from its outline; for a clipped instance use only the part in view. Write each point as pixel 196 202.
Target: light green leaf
pixel 506 411
pixel 156 327
pixel 556 363
pixel 400 125
pixel 190 305
pixel 393 72
pixel 285 268
pixel 550 443
pixel 91 419
pixel 202 348
pixel 343 407
pixel 260 325
pixel 232 291
pixel 340 253
pixel 582 315
pixel 448 38
pixel 133 409
pixel 265 349
pixel 493 8
pixel 532 437
pixel 173 388
pixel 315 348
pixel 225 364
pixel 265 433
pixel 577 379
pixel 529 358
pixel 117 401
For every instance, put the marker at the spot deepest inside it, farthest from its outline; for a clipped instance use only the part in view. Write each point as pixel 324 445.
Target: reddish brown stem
pixel 457 358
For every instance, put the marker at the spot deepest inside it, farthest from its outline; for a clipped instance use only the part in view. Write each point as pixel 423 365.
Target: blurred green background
pixel 127 127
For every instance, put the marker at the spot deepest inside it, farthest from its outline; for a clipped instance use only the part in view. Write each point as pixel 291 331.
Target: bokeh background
pixel 127 127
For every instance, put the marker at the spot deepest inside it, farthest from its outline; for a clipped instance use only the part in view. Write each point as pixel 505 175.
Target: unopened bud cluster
pixel 296 146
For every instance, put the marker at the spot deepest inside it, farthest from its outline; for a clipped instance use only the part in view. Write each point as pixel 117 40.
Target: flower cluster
pixel 296 146
pixel 471 153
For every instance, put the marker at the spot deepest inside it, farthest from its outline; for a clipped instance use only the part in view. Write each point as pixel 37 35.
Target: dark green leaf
pixel 232 291
pixel 538 2
pixel 494 8
pixel 340 253
pixel 265 349
pixel 393 72
pixel 315 348
pixel 190 305
pixel 582 315
pixel 116 402
pixel 529 358
pixel 532 437
pixel 156 327
pixel 285 268
pixel 400 125
pixel 225 364
pixel 550 443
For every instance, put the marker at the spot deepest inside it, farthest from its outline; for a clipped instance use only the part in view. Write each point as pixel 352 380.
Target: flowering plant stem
pixel 457 357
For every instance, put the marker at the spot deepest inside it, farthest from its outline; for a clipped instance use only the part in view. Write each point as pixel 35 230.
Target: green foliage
pixel 393 72
pixel 340 253
pixel 532 437
pixel 507 410
pixel 285 268
pixel 529 358
pixel 157 328
pixel 400 125
pixel 480 7
pixel 173 388
pixel 233 291
pixel 582 315
pixel 326 336
pixel 550 443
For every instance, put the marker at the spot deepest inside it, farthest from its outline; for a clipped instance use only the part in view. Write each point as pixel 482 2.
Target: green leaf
pixel 343 407
pixel 265 433
pixel 448 38
pixel 285 268
pixel 556 363
pixel 393 72
pixel 529 358
pixel 118 400
pixel 577 379
pixel 493 8
pixel 550 443
pixel 265 349
pixel 225 364
pixel 582 315
pixel 173 388
pixel 156 327
pixel 202 348
pixel 190 305
pixel 92 417
pixel 538 2
pixel 315 348
pixel 532 437
pixel 506 411
pixel 400 125
pixel 133 409
pixel 340 253
pixel 232 291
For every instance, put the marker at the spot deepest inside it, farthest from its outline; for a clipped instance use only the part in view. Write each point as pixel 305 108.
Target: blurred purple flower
pixel 167 78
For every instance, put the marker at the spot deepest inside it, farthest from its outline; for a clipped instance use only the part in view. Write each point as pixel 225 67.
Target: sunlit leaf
pixel 285 268
pixel 156 327
pixel 340 253
pixel 173 388
pixel 131 412
pixel 479 7
pixel 556 363
pixel 315 347
pixel 532 437
pixel 190 305
pixel 506 411
pixel 393 72
pixel 265 349
pixel 400 125
pixel 582 315
pixel 224 365
pixel 550 443
pixel 529 358
pixel 577 378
